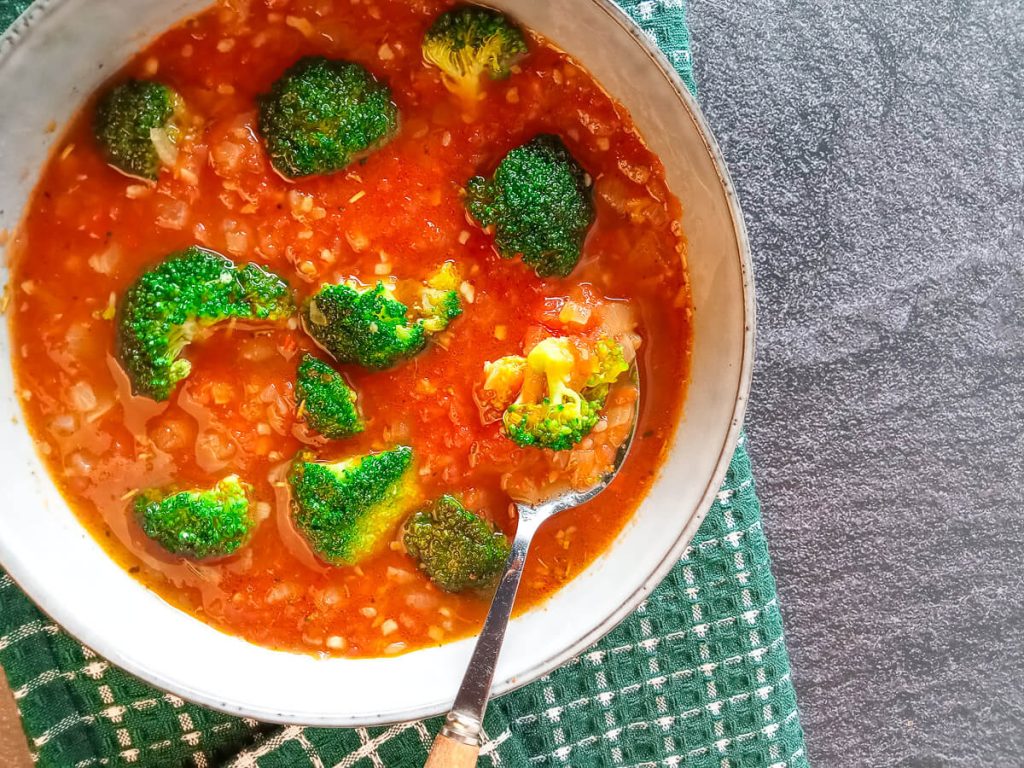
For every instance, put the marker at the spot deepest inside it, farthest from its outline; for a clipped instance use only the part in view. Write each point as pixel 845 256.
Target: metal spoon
pixel 458 743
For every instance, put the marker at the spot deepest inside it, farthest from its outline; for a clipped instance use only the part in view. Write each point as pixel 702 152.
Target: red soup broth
pixel 90 231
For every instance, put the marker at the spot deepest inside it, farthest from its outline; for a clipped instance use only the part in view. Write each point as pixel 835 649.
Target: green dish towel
pixel 698 677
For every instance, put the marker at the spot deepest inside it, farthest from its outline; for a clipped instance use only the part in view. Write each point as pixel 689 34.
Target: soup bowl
pixel 52 59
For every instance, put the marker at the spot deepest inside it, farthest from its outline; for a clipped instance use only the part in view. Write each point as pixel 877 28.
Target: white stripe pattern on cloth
pixel 26 631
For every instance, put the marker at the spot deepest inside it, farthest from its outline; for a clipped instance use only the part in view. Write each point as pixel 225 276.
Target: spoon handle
pixel 458 743
pixel 449 753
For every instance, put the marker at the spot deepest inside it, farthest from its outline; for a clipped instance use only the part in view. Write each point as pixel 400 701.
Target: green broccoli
pixel 549 412
pixel 325 400
pixel 136 125
pixel 168 306
pixel 321 114
pixel 198 524
pixel 364 326
pixel 457 549
pixel 372 328
pixel 348 510
pixel 554 416
pixel 438 301
pixel 609 363
pixel 469 42
pixel 540 204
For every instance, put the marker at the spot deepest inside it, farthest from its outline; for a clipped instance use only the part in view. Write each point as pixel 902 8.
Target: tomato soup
pixel 89 232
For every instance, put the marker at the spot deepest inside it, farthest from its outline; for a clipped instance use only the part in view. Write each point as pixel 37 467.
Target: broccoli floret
pixel 457 549
pixel 551 414
pixel 168 306
pixel 198 524
pixel 537 392
pixel 347 510
pixel 609 362
pixel 321 114
pixel 136 126
pixel 365 326
pixel 326 400
pixel 372 328
pixel 540 204
pixel 469 42
pixel 439 301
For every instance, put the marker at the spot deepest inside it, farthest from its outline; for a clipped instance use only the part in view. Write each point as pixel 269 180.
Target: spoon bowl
pixel 458 743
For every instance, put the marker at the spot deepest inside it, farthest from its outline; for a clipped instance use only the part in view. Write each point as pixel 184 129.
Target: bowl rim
pixel 83 632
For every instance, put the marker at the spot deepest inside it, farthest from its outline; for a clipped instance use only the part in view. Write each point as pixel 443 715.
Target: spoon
pixel 458 743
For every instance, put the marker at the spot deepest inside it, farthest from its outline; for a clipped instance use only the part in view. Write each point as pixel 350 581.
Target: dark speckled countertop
pixel 878 149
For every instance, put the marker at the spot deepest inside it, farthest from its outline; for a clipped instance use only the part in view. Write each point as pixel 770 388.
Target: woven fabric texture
pixel 697 677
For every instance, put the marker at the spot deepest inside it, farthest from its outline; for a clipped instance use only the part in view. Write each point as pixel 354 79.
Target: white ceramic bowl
pixel 58 53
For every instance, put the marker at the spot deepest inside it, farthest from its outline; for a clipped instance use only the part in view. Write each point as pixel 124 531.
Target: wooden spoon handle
pixel 451 753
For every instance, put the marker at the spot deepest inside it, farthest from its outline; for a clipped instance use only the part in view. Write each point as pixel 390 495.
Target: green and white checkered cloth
pixel 698 677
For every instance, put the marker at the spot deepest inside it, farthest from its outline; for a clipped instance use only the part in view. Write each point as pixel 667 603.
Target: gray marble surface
pixel 879 153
